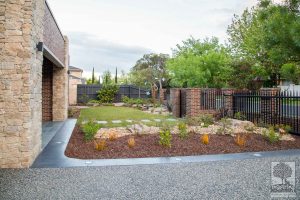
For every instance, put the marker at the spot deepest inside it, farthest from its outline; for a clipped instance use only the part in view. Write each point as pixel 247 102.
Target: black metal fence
pixel 211 99
pixel 282 108
pixel 86 93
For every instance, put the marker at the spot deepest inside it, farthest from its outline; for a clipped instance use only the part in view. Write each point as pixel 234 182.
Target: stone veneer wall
pixel 61 87
pixel 21 28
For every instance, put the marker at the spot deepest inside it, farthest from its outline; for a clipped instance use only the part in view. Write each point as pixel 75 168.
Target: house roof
pixel 72 68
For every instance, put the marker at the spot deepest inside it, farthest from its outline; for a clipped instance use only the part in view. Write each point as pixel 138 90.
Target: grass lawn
pixel 110 113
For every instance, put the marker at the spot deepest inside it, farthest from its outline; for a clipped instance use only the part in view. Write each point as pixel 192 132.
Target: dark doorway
pixel 47 90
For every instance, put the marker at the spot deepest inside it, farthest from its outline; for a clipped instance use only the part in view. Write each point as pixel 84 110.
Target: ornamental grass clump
pixel 240 140
pixel 112 136
pixel 204 139
pixel 131 142
pixel 183 133
pixel 89 130
pixel 100 145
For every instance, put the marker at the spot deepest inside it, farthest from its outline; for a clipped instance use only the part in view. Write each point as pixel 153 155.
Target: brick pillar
pixel 21 25
pixel 162 95
pixel 175 101
pixel 193 102
pixel 228 98
pixel 268 107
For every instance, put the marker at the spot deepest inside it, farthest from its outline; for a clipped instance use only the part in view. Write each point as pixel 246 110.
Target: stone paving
pixel 131 121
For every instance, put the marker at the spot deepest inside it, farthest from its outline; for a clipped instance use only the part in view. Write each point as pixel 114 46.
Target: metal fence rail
pixel 86 93
pixel 282 108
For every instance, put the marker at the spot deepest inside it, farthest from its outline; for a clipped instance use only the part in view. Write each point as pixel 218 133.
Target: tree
pixel 267 35
pixel 282 171
pixel 93 76
pixel 291 71
pixel 199 63
pixel 106 78
pixel 116 76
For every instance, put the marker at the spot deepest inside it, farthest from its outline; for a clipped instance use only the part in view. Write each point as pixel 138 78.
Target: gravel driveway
pixel 240 179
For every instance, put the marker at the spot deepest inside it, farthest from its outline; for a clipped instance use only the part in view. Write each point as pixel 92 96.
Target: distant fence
pixel 267 106
pixel 86 93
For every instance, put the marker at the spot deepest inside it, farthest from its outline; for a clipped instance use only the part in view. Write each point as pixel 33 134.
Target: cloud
pixel 88 51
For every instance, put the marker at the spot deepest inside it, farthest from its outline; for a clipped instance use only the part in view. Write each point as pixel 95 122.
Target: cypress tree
pixel 116 77
pixel 93 76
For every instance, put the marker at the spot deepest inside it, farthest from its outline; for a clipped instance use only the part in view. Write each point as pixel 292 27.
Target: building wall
pixel 78 74
pixel 21 28
pixel 73 90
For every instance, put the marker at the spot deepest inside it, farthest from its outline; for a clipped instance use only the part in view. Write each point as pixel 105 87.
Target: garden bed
pixel 148 146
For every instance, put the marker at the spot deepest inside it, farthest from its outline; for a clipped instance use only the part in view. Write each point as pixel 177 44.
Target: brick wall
pixel 53 38
pixel 47 90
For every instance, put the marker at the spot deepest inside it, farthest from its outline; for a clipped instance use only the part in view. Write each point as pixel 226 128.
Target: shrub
pixel 271 135
pixel 239 116
pixel 205 120
pixel 283 129
pixel 165 137
pixel 205 139
pixel 183 133
pixel 90 129
pixel 240 140
pixel 112 136
pixel 131 142
pixel 94 101
pixel 125 99
pixel 108 93
pixel 225 124
pixel 100 145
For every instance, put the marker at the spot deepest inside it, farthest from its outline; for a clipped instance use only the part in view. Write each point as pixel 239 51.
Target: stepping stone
pixel 157 120
pixel 116 121
pixel 129 121
pixel 171 120
pixel 145 120
pixel 101 122
pixel 84 122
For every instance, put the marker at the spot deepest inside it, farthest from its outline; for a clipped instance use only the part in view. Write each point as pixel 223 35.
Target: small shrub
pixel 94 101
pixel 239 116
pixel 112 136
pixel 90 129
pixel 204 120
pixel 283 129
pixel 271 135
pixel 183 133
pixel 287 128
pixel 108 93
pixel 225 124
pixel 131 142
pixel 100 145
pixel 165 137
pixel 205 139
pixel 207 120
pixel 125 99
pixel 240 140
pixel 249 128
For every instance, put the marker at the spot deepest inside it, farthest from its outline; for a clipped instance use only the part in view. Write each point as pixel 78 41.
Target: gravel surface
pixel 241 179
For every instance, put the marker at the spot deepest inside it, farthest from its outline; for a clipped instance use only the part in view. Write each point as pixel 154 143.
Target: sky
pixel 106 34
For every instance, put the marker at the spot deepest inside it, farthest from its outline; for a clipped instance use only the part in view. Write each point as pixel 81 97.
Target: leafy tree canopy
pixel 198 63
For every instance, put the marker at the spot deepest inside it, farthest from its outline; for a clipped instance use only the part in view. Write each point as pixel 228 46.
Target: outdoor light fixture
pixel 40 46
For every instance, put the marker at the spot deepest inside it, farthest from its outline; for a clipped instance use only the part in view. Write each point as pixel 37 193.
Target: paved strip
pixel 239 179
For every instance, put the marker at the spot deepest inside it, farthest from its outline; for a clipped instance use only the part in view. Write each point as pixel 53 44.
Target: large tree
pixel 150 70
pixel 198 63
pixel 268 35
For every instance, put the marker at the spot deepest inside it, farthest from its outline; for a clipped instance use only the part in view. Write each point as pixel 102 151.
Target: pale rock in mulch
pixel 119 104
pixel 120 131
pixel 143 129
pixel 287 137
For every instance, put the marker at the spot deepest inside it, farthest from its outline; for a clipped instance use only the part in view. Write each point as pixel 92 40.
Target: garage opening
pixel 47 90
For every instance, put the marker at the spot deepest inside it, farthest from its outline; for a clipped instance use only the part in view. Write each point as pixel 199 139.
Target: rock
pixel 287 137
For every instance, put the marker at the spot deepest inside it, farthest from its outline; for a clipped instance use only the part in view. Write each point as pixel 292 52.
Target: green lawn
pixel 109 113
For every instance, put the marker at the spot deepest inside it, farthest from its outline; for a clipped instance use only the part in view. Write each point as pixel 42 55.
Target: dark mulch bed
pixel 148 146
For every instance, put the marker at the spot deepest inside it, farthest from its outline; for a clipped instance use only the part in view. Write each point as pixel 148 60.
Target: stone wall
pixel 61 87
pixel 73 82
pixel 21 28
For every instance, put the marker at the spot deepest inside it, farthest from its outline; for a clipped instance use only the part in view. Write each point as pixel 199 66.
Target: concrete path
pixel 240 179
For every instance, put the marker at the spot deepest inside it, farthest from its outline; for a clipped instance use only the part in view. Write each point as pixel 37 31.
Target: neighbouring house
pixel 75 78
pixel 34 57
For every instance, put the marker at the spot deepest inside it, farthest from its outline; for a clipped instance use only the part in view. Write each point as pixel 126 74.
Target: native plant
pixel 108 93
pixel 131 142
pixel 271 135
pixel 100 145
pixel 239 116
pixel 225 124
pixel 240 140
pixel 112 136
pixel 90 129
pixel 183 133
pixel 204 139
pixel 165 137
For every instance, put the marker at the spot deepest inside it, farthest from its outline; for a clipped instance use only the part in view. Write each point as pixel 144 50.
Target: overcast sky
pixel 115 33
